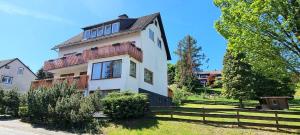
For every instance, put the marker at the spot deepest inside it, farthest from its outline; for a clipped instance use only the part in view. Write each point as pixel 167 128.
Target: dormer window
pixel 100 31
pixel 107 30
pixel 86 34
pixel 115 27
pixel 94 33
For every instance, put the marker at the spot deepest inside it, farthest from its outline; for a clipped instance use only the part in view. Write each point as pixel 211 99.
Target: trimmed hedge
pixel 123 105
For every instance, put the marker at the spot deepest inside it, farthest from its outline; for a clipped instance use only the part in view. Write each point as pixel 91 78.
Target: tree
pixel 41 74
pixel 189 63
pixel 238 79
pixel 171 73
pixel 211 79
pixel 266 24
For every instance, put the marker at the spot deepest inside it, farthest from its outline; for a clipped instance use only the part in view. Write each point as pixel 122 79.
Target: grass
pixel 152 126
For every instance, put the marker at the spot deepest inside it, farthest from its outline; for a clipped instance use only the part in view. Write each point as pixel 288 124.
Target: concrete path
pixel 16 127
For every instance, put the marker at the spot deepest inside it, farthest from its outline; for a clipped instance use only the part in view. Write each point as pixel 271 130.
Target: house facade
pixel 203 76
pixel 117 55
pixel 15 74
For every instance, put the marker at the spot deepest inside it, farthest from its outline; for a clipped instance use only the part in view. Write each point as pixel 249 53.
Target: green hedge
pixel 123 105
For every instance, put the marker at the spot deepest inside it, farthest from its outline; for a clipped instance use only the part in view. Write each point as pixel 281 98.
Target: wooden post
pixel 277 124
pixel 238 117
pixel 203 111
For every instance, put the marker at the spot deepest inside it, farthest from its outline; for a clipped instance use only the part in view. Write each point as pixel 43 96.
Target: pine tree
pixel 189 62
pixel 238 79
pixel 41 74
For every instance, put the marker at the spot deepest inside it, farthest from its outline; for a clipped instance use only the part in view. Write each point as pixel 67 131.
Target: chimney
pixel 123 16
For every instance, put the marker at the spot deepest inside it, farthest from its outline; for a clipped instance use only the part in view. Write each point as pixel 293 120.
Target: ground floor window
pixel 7 79
pixel 132 69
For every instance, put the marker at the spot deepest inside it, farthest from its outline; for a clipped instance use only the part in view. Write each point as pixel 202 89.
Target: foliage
pixel 211 79
pixel 123 105
pixel 41 74
pixel 179 96
pixel 268 30
pixel 217 84
pixel 9 102
pixel 62 106
pixel 238 78
pixel 23 112
pixel 171 73
pixel 189 63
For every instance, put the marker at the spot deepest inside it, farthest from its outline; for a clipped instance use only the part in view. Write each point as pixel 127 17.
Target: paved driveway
pixel 16 127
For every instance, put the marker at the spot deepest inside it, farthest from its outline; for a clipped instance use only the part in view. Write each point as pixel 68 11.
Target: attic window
pixel 107 30
pixel 100 31
pixel 86 34
pixel 151 34
pixel 94 33
pixel 115 27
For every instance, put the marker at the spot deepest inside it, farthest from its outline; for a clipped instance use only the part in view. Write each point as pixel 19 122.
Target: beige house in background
pixel 15 74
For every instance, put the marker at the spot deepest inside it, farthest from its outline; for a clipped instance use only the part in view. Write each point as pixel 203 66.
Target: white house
pixel 117 55
pixel 15 74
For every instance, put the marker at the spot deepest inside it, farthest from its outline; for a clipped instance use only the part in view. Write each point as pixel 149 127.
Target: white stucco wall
pixel 154 59
pixel 20 81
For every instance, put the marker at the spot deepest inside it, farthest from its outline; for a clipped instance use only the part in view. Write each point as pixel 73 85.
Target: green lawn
pixel 158 126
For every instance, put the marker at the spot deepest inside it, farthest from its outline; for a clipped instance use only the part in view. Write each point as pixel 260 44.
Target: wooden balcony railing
pixel 95 53
pixel 81 82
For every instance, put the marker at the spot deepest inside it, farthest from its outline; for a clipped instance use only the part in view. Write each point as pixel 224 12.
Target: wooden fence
pixel 235 116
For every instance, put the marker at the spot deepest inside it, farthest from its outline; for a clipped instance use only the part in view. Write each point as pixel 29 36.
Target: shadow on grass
pixel 206 102
pixel 228 125
pixel 140 123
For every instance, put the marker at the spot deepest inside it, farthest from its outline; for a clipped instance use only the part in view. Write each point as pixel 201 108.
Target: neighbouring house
pixel 117 55
pixel 205 76
pixel 15 74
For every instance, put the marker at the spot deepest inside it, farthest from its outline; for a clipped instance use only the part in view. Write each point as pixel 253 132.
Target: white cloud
pixel 15 10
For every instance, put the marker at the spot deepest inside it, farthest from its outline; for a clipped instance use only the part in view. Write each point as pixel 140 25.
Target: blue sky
pixel 29 29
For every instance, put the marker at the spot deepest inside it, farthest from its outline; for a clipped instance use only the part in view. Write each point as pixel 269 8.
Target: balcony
pixel 95 53
pixel 81 82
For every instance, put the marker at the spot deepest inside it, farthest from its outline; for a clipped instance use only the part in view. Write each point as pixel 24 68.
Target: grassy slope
pixel 153 126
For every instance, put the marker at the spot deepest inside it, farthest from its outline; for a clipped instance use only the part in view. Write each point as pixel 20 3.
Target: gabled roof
pixel 3 63
pixel 139 24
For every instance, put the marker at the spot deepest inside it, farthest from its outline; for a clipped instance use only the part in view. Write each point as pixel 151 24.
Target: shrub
pixel 11 102
pixel 62 106
pixel 23 112
pixel 179 95
pixel 217 84
pixel 123 105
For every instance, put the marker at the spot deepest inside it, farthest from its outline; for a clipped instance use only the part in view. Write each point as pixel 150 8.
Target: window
pixel 100 31
pixel 94 33
pixel 117 68
pixel 158 42
pixel 96 71
pixel 86 34
pixel 7 79
pixel 107 70
pixel 115 27
pixel 107 29
pixel 20 71
pixel 132 69
pixel 151 34
pixel 148 76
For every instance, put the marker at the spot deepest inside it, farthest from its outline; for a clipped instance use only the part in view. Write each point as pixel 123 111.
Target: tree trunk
pixel 241 103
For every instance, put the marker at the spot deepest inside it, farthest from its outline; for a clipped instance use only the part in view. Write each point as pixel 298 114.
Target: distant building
pixel 15 74
pixel 203 76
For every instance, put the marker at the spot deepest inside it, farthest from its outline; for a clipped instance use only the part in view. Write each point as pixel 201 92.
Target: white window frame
pixel 8 80
pixel 100 31
pixel 115 27
pixel 151 34
pixel 107 29
pixel 87 34
pixel 20 71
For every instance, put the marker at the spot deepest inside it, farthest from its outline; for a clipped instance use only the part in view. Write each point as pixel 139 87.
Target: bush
pixel 179 95
pixel 123 105
pixel 62 106
pixel 23 112
pixel 9 102
pixel 217 84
